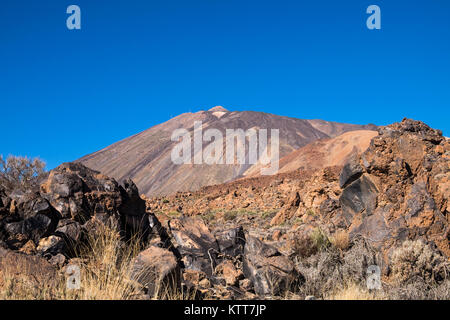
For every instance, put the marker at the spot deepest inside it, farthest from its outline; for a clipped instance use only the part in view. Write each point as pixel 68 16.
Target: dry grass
pixel 341 240
pixel 16 287
pixel 329 274
pixel 105 264
pixel 104 267
pixel 353 291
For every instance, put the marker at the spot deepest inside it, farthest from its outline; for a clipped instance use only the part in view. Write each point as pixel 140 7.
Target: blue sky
pixel 134 64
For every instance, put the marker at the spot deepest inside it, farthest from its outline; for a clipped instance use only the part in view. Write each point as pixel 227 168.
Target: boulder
pixel 157 270
pixel 32 218
pixel 351 171
pixel 288 209
pixel 195 243
pixel 81 194
pixel 231 241
pixel 70 230
pixel 229 273
pixel 51 246
pixel 270 272
pixel 360 196
pixel 133 210
pixel 34 268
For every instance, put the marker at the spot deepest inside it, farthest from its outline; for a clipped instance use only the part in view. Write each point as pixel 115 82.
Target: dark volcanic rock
pixel 82 194
pixel 351 171
pixel 270 272
pixel 157 270
pixel 195 243
pixel 71 203
pixel 359 196
pixel 79 193
pixel 231 241
pixel 132 209
pixel 32 217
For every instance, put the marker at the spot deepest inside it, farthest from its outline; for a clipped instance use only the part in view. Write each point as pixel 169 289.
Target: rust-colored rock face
pixel 402 188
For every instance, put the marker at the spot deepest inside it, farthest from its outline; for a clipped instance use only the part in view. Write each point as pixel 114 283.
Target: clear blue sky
pixel 135 64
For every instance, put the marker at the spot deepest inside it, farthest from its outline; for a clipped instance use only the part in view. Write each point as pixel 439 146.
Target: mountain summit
pixel 218 108
pixel 146 157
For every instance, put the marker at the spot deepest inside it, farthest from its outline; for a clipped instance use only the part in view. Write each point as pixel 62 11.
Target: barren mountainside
pixel 146 157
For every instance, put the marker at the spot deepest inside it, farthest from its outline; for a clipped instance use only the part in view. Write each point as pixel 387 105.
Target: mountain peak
pixel 146 157
pixel 218 108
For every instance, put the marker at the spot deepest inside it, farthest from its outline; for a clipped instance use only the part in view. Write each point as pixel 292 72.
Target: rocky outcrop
pixel 70 203
pixel 227 257
pixel 288 210
pixel 81 194
pixel 399 188
pixel 231 241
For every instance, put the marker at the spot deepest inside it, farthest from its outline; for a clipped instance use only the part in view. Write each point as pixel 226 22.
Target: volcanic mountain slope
pixel 146 157
pixel 323 153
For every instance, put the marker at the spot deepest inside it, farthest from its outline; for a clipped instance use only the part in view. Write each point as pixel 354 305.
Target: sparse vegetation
pixel 230 215
pixel 353 291
pixel 20 172
pixel 173 214
pixel 268 214
pixel 104 264
pixel 416 260
pixel 320 239
pixel 341 240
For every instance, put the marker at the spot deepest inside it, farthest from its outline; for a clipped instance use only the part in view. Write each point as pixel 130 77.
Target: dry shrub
pixel 24 287
pixel 415 261
pixel 420 290
pixel 321 273
pixel 20 173
pixel 419 273
pixel 341 240
pixel 330 270
pixel 320 239
pixel 307 243
pixel 105 264
pixel 303 246
pixel 230 215
pixel 21 280
pixel 357 260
